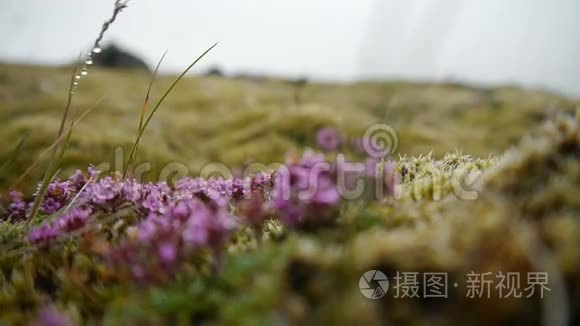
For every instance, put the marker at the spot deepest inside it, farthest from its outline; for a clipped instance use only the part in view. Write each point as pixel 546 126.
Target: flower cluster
pixel 57 195
pixel 43 234
pixel 73 220
pixel 160 243
pixel 174 224
pixel 305 191
pixel 303 194
pixel 17 207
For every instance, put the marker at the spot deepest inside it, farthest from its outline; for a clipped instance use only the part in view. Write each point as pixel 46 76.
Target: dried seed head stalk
pixel 96 49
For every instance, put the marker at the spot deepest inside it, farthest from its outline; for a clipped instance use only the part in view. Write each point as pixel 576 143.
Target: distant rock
pixel 113 56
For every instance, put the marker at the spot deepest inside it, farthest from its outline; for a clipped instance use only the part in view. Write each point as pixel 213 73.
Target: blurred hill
pixel 215 119
pixel 113 56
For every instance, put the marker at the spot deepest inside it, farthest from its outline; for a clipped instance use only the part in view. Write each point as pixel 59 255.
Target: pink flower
pixel 328 139
pixel 305 192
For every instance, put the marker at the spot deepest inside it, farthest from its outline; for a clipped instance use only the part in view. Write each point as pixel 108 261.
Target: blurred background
pixel 534 43
pixel 469 76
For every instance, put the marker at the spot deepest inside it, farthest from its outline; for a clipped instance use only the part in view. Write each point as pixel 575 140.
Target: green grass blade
pixel 56 142
pixel 146 102
pixel 157 105
pixel 53 161
pixel 49 176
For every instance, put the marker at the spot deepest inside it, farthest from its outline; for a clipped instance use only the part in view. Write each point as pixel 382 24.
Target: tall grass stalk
pixel 146 101
pixel 146 104
pixel 56 142
pixel 156 107
pixel 54 160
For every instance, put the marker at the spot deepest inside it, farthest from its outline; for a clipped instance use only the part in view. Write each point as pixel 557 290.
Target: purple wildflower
pixel 155 198
pixel 261 181
pixel 181 210
pixel 58 189
pixel 305 192
pixel 208 225
pixel 93 172
pixel 132 191
pixel 184 227
pixel 77 180
pixel 238 189
pixel 328 139
pixel 57 195
pixel 75 219
pixel 49 316
pixel 50 206
pixel 220 227
pixel 196 233
pixel 167 253
pixel 43 234
pixel 106 193
pixel 17 207
pixel 147 229
pixel 207 191
pixel 220 186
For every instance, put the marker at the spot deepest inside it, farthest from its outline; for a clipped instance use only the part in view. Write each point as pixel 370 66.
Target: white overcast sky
pixel 530 42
